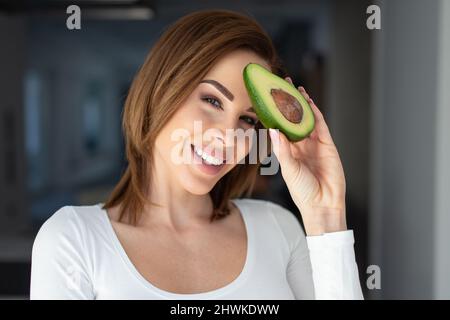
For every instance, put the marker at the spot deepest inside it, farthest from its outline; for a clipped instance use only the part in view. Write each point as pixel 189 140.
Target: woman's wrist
pixel 320 220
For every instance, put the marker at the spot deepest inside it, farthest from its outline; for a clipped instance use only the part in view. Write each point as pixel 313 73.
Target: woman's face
pixel 213 130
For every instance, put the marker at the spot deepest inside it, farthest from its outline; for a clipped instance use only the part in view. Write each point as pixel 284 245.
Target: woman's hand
pixel 314 175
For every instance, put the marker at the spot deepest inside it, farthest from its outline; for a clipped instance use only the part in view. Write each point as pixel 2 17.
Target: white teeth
pixel 208 158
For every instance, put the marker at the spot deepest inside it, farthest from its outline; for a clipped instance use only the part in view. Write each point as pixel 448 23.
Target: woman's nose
pixel 226 130
pixel 223 139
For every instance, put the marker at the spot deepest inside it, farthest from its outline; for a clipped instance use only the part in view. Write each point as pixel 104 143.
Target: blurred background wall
pixel 384 94
pixel 409 212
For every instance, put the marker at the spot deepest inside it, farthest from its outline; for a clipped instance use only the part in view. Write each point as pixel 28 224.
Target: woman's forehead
pixel 235 62
pixel 228 72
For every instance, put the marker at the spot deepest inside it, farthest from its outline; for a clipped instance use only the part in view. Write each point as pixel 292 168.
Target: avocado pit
pixel 288 105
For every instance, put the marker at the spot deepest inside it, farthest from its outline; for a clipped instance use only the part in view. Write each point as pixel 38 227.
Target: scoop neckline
pixel 243 275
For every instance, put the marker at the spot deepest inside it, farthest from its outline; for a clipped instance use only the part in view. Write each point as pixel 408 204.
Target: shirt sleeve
pixel 319 267
pixel 58 263
pixel 334 268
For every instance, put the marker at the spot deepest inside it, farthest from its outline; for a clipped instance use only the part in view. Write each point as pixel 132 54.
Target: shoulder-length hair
pixel 174 67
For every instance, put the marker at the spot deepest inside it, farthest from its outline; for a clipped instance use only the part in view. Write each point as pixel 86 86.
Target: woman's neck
pixel 178 208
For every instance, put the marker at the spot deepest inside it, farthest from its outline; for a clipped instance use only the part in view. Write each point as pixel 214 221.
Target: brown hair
pixel 175 65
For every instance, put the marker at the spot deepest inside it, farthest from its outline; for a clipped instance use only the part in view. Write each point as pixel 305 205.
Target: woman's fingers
pixel 303 92
pixel 321 130
pixel 321 127
pixel 282 149
pixel 288 79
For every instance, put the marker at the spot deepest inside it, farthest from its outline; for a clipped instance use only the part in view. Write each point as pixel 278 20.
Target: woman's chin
pixel 196 183
pixel 197 188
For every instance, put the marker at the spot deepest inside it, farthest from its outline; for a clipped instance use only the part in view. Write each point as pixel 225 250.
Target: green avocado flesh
pixel 277 103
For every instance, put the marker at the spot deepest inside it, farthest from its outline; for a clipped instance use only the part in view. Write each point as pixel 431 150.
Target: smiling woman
pixel 180 230
pixel 180 61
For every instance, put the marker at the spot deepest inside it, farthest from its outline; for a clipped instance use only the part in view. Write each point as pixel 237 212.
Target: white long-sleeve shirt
pixel 77 255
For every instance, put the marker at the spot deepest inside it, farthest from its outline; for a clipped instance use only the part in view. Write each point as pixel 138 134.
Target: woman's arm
pixel 334 268
pixel 315 179
pixel 314 175
pixel 319 267
pixel 329 261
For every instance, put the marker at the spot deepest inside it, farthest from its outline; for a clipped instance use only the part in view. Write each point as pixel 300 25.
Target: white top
pixel 77 255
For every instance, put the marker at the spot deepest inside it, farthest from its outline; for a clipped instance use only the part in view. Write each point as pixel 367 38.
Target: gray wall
pixel 408 239
pixel 442 170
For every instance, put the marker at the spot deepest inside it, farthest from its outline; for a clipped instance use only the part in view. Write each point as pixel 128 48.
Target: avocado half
pixel 277 103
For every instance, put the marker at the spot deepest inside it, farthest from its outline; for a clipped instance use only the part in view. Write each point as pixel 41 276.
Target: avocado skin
pixel 263 112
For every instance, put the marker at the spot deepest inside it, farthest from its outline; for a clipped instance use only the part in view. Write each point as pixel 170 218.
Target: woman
pixel 179 230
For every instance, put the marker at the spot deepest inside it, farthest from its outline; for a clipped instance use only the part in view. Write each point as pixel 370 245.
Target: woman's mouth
pixel 206 162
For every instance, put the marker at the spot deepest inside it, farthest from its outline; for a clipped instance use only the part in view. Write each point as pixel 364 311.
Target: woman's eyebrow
pixel 224 90
pixel 220 87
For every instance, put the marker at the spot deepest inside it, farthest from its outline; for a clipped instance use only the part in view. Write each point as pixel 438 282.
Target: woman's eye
pixel 249 120
pixel 214 102
pixel 217 104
